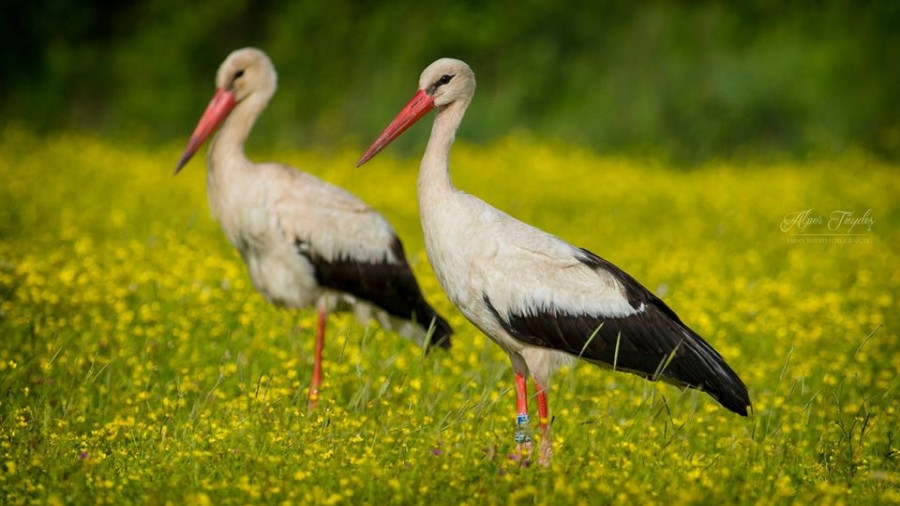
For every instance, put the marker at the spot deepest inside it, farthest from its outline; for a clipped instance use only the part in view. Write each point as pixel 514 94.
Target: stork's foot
pixel 545 452
pixel 522 454
pixel 313 399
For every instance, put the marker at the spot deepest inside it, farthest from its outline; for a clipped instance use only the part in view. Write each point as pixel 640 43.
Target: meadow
pixel 138 365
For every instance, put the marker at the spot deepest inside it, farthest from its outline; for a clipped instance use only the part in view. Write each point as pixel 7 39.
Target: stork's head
pixel 246 75
pixel 247 72
pixel 447 81
pixel 444 83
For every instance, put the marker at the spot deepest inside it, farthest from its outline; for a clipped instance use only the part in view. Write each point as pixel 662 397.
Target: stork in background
pixel 305 242
pixel 544 301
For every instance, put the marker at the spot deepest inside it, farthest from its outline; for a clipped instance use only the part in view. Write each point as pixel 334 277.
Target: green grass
pixel 137 364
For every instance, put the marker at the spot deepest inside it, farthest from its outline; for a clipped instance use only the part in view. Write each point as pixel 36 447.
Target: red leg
pixel 317 364
pixel 521 396
pixel 546 449
pixel 523 432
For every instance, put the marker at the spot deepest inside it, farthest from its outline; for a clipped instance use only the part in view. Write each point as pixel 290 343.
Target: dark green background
pixel 691 80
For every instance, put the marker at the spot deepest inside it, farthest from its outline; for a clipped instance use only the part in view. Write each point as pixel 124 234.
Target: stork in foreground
pixel 306 242
pixel 542 300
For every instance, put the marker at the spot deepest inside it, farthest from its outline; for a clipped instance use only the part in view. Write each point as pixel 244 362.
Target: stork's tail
pixel 701 367
pixel 427 317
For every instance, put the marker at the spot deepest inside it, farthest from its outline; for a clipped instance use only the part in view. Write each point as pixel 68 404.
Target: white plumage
pixel 265 209
pixel 305 242
pixel 543 300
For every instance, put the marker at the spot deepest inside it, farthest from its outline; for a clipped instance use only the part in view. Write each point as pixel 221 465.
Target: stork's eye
pixel 440 82
pixel 239 73
pixel 444 79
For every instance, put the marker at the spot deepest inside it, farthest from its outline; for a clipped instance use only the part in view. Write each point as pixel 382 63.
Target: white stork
pixel 544 301
pixel 306 242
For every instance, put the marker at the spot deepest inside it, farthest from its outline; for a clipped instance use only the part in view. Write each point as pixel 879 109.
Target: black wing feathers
pixel 389 285
pixel 645 341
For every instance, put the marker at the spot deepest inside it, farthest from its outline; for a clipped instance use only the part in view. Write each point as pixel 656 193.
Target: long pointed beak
pixel 221 104
pixel 417 107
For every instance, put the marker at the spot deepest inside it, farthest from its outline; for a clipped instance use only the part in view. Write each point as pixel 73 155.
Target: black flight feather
pixel 646 340
pixel 389 285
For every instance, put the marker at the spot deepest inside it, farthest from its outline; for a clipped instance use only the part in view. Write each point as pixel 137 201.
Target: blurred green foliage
pixel 694 80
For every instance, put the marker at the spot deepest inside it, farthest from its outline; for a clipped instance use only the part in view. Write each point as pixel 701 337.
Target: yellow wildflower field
pixel 137 364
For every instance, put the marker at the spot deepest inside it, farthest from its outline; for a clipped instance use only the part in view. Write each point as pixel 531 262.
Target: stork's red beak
pixel 420 104
pixel 221 104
